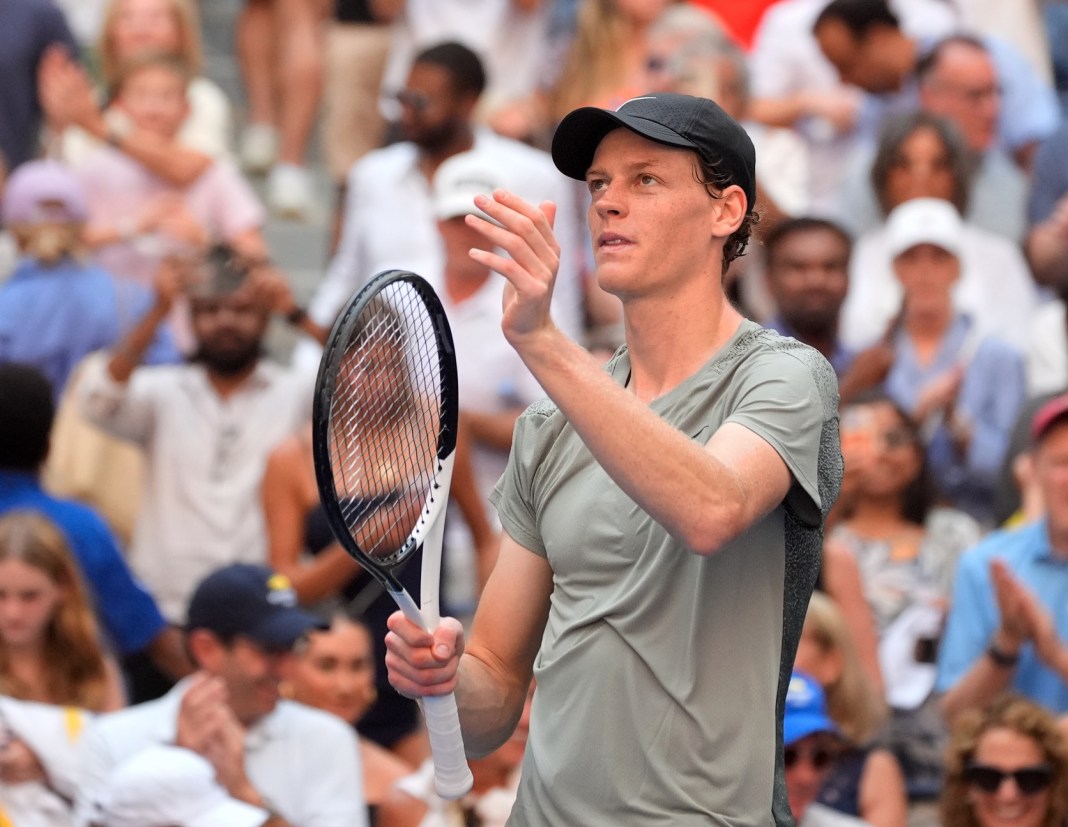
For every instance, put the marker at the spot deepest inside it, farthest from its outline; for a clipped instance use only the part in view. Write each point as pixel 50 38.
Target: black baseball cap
pixel 251 601
pixel 675 120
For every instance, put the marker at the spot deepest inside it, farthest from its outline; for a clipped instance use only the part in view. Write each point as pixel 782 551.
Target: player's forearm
pixel 673 478
pixel 489 704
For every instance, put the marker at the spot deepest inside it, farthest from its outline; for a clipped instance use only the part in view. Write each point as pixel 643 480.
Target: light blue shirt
pixel 991 391
pixel 974 615
pixel 52 317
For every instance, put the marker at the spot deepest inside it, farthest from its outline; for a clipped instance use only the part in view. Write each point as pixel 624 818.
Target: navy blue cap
pixel 251 601
pixel 806 710
pixel 675 120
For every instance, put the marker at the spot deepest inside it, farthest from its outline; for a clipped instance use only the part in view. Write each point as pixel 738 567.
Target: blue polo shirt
pixel 974 615
pixel 126 610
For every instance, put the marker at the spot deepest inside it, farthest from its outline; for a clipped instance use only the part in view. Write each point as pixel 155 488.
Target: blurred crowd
pixel 182 640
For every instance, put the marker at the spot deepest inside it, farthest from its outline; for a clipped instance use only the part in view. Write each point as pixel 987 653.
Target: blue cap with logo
pixel 253 602
pixel 806 710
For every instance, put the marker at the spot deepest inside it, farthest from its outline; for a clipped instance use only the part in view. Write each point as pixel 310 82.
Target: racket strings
pixel 385 421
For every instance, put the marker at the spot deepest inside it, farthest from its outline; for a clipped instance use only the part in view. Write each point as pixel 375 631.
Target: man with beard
pixel 206 427
pixel 807 274
pixel 389 218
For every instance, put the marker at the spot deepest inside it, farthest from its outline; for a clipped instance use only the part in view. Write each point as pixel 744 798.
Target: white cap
pixel 460 178
pixel 166 786
pixel 924 221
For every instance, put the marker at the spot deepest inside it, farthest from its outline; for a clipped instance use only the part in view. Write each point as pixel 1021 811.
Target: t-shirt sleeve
pixel 779 400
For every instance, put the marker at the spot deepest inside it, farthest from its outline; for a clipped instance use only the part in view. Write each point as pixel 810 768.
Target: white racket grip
pixel 452 776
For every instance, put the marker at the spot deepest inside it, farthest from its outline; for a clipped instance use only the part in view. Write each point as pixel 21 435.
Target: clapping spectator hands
pixel 66 92
pixel 18 764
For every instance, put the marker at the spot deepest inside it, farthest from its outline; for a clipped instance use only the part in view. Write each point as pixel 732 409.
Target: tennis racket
pixel 384 436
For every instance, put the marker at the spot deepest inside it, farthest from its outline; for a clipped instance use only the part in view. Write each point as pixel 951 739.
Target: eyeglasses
pixel 1029 780
pixel 418 102
pixel 820 757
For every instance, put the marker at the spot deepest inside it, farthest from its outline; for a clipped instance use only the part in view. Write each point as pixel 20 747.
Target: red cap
pixel 1048 415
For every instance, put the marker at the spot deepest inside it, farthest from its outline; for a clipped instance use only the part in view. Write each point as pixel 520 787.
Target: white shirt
pixel 1047 352
pixel 305 763
pixel 205 458
pixel 995 289
pixel 389 223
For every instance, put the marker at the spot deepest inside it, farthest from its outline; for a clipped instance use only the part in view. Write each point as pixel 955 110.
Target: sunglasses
pixel 418 102
pixel 1029 780
pixel 819 757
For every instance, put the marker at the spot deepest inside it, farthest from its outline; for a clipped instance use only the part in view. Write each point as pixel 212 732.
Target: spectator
pixel 27 31
pixel 1009 614
pixel 279 47
pixel 128 615
pixel 921 156
pixel 206 427
pixel 295 762
pixel 807 273
pixel 810 742
pixel 168 786
pixel 389 217
pixel 137 217
pixel 335 672
pixel 50 648
pixel 866 44
pixel 961 387
pixel 1008 740
pixel 55 310
pixel 906 549
pixel 866 781
pixel 1047 241
pixel 131 29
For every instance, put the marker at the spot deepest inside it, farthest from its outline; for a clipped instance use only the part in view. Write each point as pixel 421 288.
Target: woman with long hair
pixel 50 649
pixel 1007 764
pixel 866 780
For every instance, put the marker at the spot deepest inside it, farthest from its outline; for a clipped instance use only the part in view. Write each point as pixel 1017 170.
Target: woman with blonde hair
pixel 866 780
pixel 50 648
pixel 1007 764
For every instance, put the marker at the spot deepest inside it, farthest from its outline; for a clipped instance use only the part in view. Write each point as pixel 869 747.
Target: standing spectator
pixel 28 29
pixel 389 214
pixel 865 42
pixel 55 310
pixel 1009 615
pixel 1007 762
pixel 132 29
pixel 280 48
pixel 297 763
pixel 127 613
pixel 207 427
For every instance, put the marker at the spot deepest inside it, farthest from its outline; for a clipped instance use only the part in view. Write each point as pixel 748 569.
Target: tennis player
pixel 662 514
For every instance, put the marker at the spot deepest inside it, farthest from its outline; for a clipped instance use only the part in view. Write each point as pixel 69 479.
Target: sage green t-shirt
pixel 659 694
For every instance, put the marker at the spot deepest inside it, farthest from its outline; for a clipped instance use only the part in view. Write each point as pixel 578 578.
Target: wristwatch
pixel 1006 660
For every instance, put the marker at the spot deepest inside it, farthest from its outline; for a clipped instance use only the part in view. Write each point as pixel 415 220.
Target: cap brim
pixel 581 132
pixel 283 629
pixel 796 726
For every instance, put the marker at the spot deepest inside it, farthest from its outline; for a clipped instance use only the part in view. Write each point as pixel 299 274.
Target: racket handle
pixel 452 776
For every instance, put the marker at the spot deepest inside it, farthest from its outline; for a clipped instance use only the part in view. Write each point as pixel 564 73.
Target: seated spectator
pixel 906 550
pixel 1047 215
pixel 866 781
pixel 1007 763
pixel 921 156
pixel 865 42
pixel 335 672
pixel 27 32
pixel 807 273
pixel 168 786
pixel 206 427
pixel 127 613
pixel 958 81
pixel 39 767
pixel 55 310
pixel 130 30
pixel 961 387
pixel 810 745
pixel 1008 619
pixel 136 217
pixel 295 762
